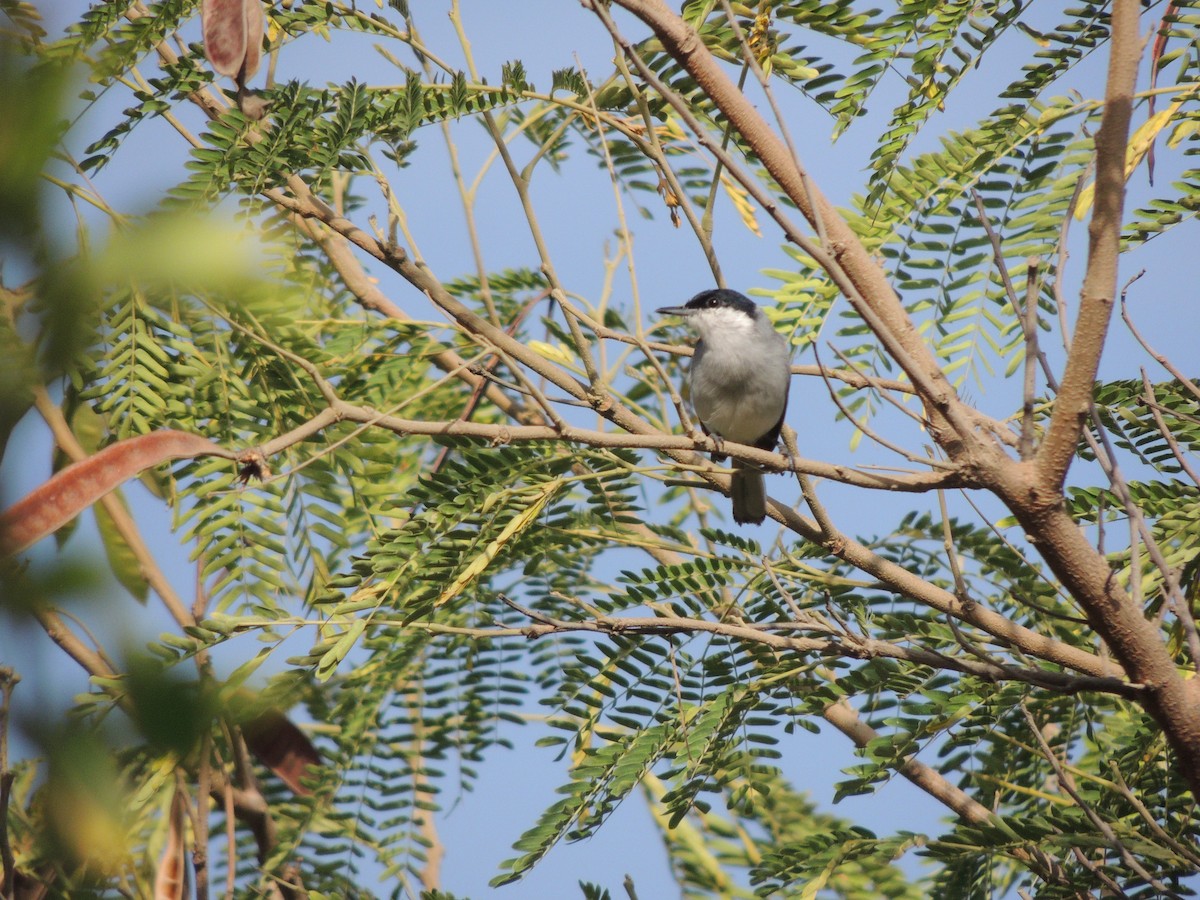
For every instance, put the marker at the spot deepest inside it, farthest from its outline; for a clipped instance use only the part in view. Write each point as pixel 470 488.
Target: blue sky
pixel 578 216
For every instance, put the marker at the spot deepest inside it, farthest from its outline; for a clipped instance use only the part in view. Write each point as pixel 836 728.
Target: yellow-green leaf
pixel 551 352
pixel 479 564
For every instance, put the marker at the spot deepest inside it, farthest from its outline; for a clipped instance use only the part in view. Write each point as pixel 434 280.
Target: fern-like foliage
pixel 418 599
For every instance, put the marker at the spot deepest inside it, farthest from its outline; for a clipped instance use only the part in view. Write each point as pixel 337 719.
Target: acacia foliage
pixel 674 661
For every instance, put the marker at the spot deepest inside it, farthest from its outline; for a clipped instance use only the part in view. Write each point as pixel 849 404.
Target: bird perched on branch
pixel 739 383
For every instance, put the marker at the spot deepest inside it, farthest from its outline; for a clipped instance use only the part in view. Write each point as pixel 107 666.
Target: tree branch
pixel 907 584
pixel 675 444
pixel 843 646
pixel 639 433
pixel 1099 292
pixel 845 259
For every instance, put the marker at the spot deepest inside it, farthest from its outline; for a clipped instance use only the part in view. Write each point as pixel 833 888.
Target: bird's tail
pixel 749 494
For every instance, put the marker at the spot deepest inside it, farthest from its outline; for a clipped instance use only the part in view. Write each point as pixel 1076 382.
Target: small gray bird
pixel 739 378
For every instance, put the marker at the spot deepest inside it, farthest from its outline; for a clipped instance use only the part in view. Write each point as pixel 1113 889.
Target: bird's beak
pixel 673 311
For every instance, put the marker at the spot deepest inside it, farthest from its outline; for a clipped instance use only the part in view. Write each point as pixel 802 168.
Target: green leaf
pixel 338 652
pixel 121 558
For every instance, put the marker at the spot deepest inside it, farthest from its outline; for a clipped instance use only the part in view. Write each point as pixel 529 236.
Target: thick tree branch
pixel 1135 641
pixel 1074 397
pixel 1176 373
pixel 1033 490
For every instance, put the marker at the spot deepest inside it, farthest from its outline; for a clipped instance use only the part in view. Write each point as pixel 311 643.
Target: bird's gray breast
pixel 739 384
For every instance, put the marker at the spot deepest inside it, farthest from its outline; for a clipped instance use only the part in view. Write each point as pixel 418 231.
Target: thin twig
pixel 829 532
pixel 875 386
pixel 521 180
pixel 122 521
pixel 1029 566
pixel 1113 889
pixel 960 585
pixel 1156 411
pixel 1023 319
pixel 92 662
pixel 1067 782
pixel 230 839
pixel 861 425
pixel 198 813
pixel 8 680
pixel 1178 375
pixel 848 646
pixel 764 82
pixel 1025 446
pixel 653 150
pixel 1187 852
pixel 1171 586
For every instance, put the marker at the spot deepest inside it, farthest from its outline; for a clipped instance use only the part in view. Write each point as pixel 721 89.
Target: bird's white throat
pixel 711 324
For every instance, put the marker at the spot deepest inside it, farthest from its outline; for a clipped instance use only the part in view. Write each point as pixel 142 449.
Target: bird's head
pixel 716 310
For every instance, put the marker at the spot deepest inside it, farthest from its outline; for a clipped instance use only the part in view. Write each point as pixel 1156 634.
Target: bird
pixel 739 378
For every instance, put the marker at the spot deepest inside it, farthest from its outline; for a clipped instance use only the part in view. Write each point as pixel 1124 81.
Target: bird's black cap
pixel 714 299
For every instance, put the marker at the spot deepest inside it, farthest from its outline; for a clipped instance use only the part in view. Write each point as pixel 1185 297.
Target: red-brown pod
pixel 233 32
